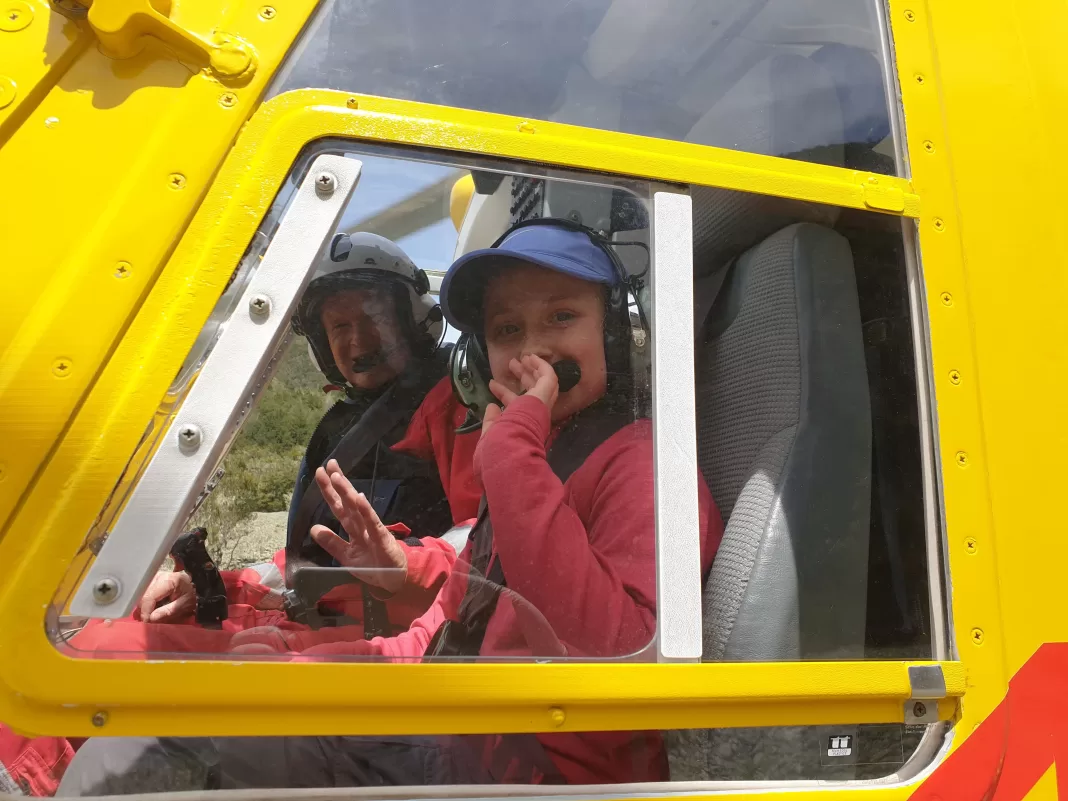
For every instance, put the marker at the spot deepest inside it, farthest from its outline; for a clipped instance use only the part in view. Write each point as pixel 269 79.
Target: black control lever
pixel 190 554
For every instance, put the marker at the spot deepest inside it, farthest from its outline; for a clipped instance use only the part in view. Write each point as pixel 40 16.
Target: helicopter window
pixel 761 348
pixel 815 72
pixel 371 361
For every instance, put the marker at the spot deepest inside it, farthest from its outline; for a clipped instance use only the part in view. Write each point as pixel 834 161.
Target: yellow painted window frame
pixel 45 692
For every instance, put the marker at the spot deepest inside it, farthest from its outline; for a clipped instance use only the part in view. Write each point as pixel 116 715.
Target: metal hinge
pixel 928 687
pixel 123 25
pixel 881 193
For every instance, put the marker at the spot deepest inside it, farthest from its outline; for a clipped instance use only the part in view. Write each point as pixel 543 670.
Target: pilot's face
pixel 365 336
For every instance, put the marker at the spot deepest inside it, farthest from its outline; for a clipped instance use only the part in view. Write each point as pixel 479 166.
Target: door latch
pixel 122 26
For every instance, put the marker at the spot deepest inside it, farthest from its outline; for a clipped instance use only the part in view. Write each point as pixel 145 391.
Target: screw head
pixel 176 181
pixel 61 368
pixel 919 709
pixel 919 79
pixel 970 545
pixel 259 305
pixel 15 16
pixel 962 459
pixel 910 15
pixel 939 224
pixel 638 335
pixel 189 438
pixel 99 719
pixel 227 100
pixel 954 376
pixel 122 269
pixel 557 716
pixel 352 102
pixel 325 184
pixel 105 591
pixel 947 299
pixel 268 12
pixel 978 636
pixel 928 145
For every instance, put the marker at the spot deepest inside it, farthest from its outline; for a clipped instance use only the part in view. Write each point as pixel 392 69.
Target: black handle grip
pixel 190 554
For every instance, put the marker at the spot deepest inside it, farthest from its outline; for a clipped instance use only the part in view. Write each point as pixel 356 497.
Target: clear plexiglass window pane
pixel 803 79
pixel 392 378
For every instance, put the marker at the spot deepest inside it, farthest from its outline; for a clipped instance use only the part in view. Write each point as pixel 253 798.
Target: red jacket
pixel 579 562
pixel 430 435
pixel 32 766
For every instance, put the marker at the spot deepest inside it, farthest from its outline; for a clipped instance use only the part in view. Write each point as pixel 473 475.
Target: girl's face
pixel 552 315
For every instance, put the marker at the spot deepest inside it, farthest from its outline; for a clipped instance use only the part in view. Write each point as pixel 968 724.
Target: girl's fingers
pixel 505 395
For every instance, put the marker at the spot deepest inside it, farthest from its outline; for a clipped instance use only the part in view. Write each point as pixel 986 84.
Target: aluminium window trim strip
pixel 198 435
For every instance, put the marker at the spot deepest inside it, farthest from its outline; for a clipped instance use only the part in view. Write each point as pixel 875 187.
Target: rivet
pixel 61 368
pixel 99 719
pixel 259 306
pixel 122 269
pixel 227 100
pixel 978 636
pixel 947 299
pixel 268 12
pixel 954 376
pixel 919 78
pixel 105 591
pixel 51 122
pixel 8 91
pixel 352 102
pixel 962 458
pixel 525 127
pixel 939 224
pixel 557 716
pixel 928 145
pixel 325 184
pixel 176 181
pixel 189 438
pixel 910 15
pixel 15 16
pixel 970 545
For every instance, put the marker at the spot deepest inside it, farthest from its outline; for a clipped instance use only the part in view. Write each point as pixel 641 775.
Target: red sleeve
pixel 429 564
pixel 242 588
pixel 411 645
pixel 589 545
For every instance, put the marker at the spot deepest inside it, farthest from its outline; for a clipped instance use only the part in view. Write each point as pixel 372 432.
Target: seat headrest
pixel 785 105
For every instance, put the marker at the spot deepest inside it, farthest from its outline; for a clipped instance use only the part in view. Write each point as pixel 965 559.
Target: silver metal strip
pixel 939 581
pixel 200 432
pixel 678 535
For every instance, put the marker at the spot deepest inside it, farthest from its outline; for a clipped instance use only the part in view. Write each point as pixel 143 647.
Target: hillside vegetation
pixel 261 467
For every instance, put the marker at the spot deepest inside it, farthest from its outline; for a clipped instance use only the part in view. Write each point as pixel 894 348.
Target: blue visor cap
pixel 551 247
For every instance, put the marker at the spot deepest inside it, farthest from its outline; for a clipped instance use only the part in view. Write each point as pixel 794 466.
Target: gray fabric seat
pixel 784 442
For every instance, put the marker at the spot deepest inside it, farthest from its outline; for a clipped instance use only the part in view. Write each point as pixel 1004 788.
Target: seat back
pixel 784 441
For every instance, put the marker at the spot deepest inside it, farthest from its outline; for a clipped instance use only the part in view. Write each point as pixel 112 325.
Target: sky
pixel 385 182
